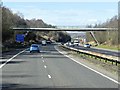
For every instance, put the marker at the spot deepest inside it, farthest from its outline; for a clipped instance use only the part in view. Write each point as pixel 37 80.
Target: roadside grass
pixel 4 49
pixel 109 47
pixel 100 63
pixel 7 49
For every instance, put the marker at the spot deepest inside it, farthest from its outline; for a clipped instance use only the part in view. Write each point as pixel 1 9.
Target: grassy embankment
pixel 109 47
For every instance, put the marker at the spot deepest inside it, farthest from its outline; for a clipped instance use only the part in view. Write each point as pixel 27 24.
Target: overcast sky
pixel 65 13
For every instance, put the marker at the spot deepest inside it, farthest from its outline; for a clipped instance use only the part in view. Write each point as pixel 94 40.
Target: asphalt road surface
pixel 106 52
pixel 49 69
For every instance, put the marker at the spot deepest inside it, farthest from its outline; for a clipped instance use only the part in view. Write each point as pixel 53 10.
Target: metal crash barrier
pixel 112 59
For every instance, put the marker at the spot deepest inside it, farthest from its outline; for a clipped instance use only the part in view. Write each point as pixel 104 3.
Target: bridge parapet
pixel 65 29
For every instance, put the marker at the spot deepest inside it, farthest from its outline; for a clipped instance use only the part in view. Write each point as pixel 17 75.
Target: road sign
pixel 20 38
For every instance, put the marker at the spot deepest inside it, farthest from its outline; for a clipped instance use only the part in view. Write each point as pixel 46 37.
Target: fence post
pixel 112 62
pixel 106 60
pixel 116 62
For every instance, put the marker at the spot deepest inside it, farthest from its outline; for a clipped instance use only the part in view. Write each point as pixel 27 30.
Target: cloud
pixel 64 16
pixel 111 11
pixel 55 16
pixel 92 20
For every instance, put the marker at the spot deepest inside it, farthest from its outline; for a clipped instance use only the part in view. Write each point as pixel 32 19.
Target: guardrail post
pixel 106 60
pixel 86 54
pixel 112 62
pixel 116 62
pixel 95 57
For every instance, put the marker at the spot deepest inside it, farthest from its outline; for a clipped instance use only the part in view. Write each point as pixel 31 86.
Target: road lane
pixel 50 69
pixel 106 52
pixel 27 71
pixel 70 74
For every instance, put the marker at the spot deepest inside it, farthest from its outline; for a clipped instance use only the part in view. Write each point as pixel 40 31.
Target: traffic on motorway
pixel 89 47
pixel 59 45
pixel 49 67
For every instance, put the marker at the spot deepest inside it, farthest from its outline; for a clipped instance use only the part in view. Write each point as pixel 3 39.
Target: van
pixel 44 42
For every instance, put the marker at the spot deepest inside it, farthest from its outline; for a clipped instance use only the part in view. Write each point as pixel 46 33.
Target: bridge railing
pixel 65 29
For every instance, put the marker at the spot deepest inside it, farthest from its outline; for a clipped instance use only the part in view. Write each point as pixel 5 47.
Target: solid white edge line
pixel 49 76
pixel 88 67
pixel 11 58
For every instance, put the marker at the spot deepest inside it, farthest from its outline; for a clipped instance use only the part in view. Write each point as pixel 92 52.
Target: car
pixel 44 42
pixel 71 44
pixel 34 48
pixel 87 45
pixel 76 43
pixel 67 44
pixel 62 43
pixel 48 42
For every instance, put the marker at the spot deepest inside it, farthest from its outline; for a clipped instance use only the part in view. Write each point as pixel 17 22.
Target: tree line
pixel 10 20
pixel 107 37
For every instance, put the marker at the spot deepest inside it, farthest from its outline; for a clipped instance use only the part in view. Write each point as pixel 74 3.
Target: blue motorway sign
pixel 20 38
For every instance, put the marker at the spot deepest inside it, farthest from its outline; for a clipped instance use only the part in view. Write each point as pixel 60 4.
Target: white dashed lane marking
pixel 43 60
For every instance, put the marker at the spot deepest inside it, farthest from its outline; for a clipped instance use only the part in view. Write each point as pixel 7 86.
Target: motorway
pixel 106 52
pixel 50 69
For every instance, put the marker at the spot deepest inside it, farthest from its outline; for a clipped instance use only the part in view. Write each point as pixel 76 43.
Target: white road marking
pixel 43 60
pixel 11 58
pixel 88 67
pixel 49 76
pixel 45 66
pixel 41 57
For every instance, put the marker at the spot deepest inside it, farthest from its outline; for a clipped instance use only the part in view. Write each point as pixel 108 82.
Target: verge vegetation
pixel 107 39
pixel 10 20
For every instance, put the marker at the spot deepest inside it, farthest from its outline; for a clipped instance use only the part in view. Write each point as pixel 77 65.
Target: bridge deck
pixel 65 29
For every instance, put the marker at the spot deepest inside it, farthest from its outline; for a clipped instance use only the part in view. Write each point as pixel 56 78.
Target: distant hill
pixel 77 35
pixel 38 23
pixel 10 20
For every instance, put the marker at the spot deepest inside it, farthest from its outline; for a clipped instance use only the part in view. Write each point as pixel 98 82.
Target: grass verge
pixel 108 47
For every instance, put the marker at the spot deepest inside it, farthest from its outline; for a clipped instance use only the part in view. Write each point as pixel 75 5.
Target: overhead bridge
pixel 65 29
